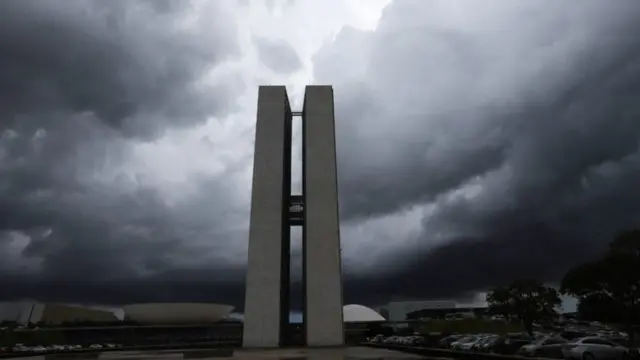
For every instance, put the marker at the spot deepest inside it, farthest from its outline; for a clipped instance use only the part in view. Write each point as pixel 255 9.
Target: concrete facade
pixel 266 299
pixel 322 272
pixel 274 210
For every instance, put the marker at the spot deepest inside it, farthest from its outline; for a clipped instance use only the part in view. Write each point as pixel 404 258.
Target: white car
pixel 20 348
pixel 38 349
pixel 594 348
pixel 377 339
pixel 392 340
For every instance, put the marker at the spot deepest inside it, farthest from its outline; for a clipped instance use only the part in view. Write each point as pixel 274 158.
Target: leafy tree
pixel 525 300
pixel 599 307
pixel 608 289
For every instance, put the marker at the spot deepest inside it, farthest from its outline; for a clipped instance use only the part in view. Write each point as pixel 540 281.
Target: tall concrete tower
pixel 274 210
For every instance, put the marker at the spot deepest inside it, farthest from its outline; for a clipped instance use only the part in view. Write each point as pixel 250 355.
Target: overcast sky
pixel 478 141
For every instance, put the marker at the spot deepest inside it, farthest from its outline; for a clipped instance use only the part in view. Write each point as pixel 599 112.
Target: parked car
pixel 548 347
pixel 391 340
pixel 507 345
pixel 489 345
pixel 464 342
pixel 377 339
pixel 594 348
pixel 448 340
pixel 571 334
pixel 484 345
pixel 469 346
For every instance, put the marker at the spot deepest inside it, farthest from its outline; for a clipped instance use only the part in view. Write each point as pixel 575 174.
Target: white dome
pixel 359 313
pixel 175 313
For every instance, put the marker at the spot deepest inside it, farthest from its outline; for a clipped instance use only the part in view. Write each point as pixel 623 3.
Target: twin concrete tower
pixel 274 210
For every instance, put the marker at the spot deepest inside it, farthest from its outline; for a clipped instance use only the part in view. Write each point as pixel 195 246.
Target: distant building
pixel 176 313
pixel 59 314
pixel 398 310
pixel 24 312
pixel 384 312
pixel 360 314
pixel 13 311
pixel 429 309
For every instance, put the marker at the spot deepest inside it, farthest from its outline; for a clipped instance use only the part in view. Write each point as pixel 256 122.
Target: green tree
pixel 608 288
pixel 526 300
pixel 598 307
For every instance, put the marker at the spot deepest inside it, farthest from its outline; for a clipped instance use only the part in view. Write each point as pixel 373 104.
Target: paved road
pixel 349 353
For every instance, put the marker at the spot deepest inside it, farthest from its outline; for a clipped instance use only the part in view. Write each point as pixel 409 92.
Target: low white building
pixel 360 314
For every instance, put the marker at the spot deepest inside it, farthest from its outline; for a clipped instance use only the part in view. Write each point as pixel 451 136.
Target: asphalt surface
pixel 347 353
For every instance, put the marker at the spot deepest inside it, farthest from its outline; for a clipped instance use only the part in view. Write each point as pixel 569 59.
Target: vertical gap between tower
pixel 304 228
pixel 296 284
pixel 297 301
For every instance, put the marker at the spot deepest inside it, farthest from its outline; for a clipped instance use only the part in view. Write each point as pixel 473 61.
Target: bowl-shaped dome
pixel 359 313
pixel 176 313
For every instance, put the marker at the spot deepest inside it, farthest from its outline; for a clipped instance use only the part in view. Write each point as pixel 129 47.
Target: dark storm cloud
pixel 511 129
pixel 80 83
pixel 161 288
pixel 514 125
pixel 101 245
pixel 278 55
pixel 123 62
